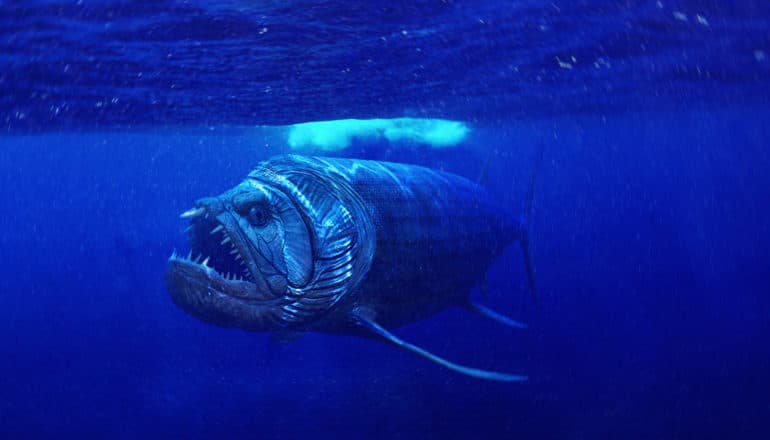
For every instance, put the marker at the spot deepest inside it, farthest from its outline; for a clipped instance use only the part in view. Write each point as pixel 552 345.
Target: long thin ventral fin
pixel 400 343
pixel 491 314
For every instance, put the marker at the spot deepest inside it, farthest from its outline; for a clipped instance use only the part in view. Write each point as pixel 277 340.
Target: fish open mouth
pixel 215 265
pixel 215 247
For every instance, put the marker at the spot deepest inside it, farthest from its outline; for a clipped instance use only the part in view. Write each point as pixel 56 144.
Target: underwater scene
pixel 446 219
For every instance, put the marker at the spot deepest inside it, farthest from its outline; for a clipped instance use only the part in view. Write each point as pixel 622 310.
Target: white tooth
pixel 189 256
pixel 237 256
pixel 206 261
pixel 225 240
pixel 217 229
pixel 233 252
pixel 192 212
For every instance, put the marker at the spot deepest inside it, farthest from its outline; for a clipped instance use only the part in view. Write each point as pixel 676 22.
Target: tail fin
pixel 524 240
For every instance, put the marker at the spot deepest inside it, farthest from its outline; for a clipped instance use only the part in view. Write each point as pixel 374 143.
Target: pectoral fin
pixel 483 287
pixel 400 343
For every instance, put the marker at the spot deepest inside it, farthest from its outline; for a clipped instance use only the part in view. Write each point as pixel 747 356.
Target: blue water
pixel 650 236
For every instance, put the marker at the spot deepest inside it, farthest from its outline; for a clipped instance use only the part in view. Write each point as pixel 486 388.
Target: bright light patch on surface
pixel 339 134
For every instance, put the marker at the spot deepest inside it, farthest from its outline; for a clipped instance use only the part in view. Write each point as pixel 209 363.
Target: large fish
pixel 343 246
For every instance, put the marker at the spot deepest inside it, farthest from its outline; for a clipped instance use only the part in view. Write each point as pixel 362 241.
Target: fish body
pixel 341 246
pixel 435 236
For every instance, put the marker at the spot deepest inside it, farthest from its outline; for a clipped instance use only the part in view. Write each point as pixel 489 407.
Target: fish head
pixel 249 247
pixel 261 256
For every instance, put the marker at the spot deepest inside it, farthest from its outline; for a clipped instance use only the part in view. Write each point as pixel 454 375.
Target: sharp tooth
pixel 225 240
pixel 217 229
pixel 189 256
pixel 233 252
pixel 206 261
pixel 237 256
pixel 193 212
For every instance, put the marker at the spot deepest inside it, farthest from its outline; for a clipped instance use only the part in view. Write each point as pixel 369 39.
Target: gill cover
pixel 328 235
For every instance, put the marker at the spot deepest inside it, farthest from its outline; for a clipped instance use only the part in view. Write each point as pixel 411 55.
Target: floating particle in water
pixel 602 63
pixel 681 16
pixel 760 55
pixel 563 64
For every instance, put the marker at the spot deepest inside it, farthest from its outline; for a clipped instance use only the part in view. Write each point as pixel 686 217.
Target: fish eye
pixel 258 216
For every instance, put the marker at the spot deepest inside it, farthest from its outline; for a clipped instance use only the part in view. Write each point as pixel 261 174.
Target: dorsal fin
pixel 484 173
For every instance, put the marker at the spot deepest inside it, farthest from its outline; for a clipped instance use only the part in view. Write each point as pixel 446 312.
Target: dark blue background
pixel 651 247
pixel 650 234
